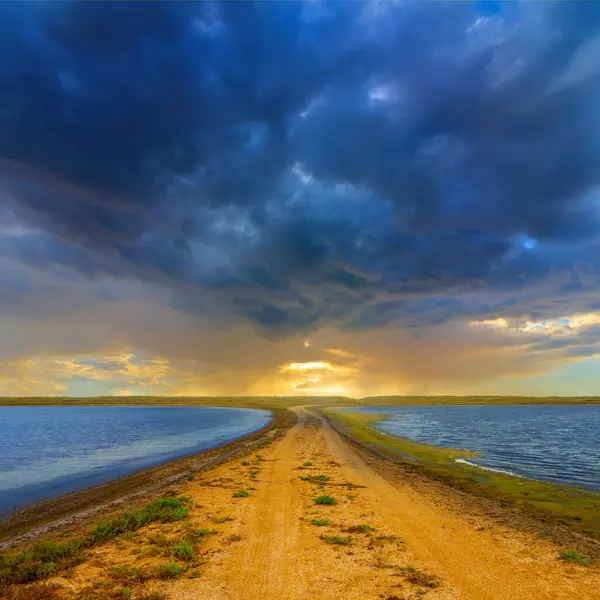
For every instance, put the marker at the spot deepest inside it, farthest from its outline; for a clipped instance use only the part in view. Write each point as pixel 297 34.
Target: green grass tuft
pixel 222 519
pixel 163 509
pixel 321 522
pixel 315 478
pixel 171 571
pixel 362 528
pixel 129 574
pixel 325 500
pixel 572 556
pixel 183 550
pixel 194 534
pixel 241 494
pixel 337 540
pixel 307 464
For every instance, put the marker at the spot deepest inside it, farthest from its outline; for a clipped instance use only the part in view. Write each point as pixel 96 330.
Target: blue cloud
pixel 347 164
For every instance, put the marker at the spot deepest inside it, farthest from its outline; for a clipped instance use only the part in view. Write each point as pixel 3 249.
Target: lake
pixel 46 451
pixel 558 443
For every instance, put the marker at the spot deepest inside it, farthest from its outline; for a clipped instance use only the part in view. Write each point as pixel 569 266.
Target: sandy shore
pixel 60 516
pixel 418 538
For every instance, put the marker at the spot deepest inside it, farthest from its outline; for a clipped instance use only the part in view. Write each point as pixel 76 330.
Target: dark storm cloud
pixel 349 164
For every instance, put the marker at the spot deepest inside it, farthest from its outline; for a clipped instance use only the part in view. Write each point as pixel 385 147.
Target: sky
pixel 299 198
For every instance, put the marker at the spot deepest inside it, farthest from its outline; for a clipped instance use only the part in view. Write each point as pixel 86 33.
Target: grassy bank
pixel 46 559
pixel 573 507
pixel 473 400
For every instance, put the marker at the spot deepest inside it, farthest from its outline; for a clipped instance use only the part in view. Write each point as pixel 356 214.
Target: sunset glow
pixel 365 198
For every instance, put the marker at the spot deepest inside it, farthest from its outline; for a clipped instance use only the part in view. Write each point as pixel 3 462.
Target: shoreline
pixel 61 516
pixel 565 512
pixel 311 515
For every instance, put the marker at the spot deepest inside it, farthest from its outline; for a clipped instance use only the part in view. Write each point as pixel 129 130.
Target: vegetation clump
pixel 574 557
pixel 241 494
pixel 222 519
pixel 362 528
pixel 171 570
pixel 194 534
pixel 48 558
pixel 183 550
pixel 337 540
pixel 330 500
pixel 315 478
pixel 39 562
pixel 37 591
pixel 163 509
pixel 321 522
pixel 129 574
pixel 418 577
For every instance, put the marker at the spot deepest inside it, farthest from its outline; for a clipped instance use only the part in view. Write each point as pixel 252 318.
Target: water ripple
pixel 558 443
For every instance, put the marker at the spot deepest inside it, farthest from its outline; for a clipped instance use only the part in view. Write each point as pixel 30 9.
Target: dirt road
pixel 386 538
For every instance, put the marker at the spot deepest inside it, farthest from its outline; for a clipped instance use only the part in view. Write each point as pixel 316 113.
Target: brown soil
pixel 427 542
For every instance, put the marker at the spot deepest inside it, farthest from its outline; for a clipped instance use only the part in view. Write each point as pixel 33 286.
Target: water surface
pixel 558 443
pixel 49 450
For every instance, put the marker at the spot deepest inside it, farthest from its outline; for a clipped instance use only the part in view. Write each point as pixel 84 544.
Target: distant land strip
pixel 289 401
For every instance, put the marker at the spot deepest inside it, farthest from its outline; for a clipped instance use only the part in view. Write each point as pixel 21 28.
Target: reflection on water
pixel 554 443
pixel 50 450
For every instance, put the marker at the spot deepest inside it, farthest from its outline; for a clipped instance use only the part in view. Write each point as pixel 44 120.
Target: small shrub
pixel 337 540
pixel 194 534
pixel 129 574
pixel 183 550
pixel 158 540
pixel 222 519
pixel 39 562
pixel 194 574
pixel 307 464
pixel 171 571
pixel 321 522
pixel 166 509
pixel 330 500
pixel 241 494
pixel 362 528
pixel 315 478
pixel 414 575
pixel 574 557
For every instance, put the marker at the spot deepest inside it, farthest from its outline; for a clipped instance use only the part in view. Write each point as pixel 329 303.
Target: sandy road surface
pixel 421 546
